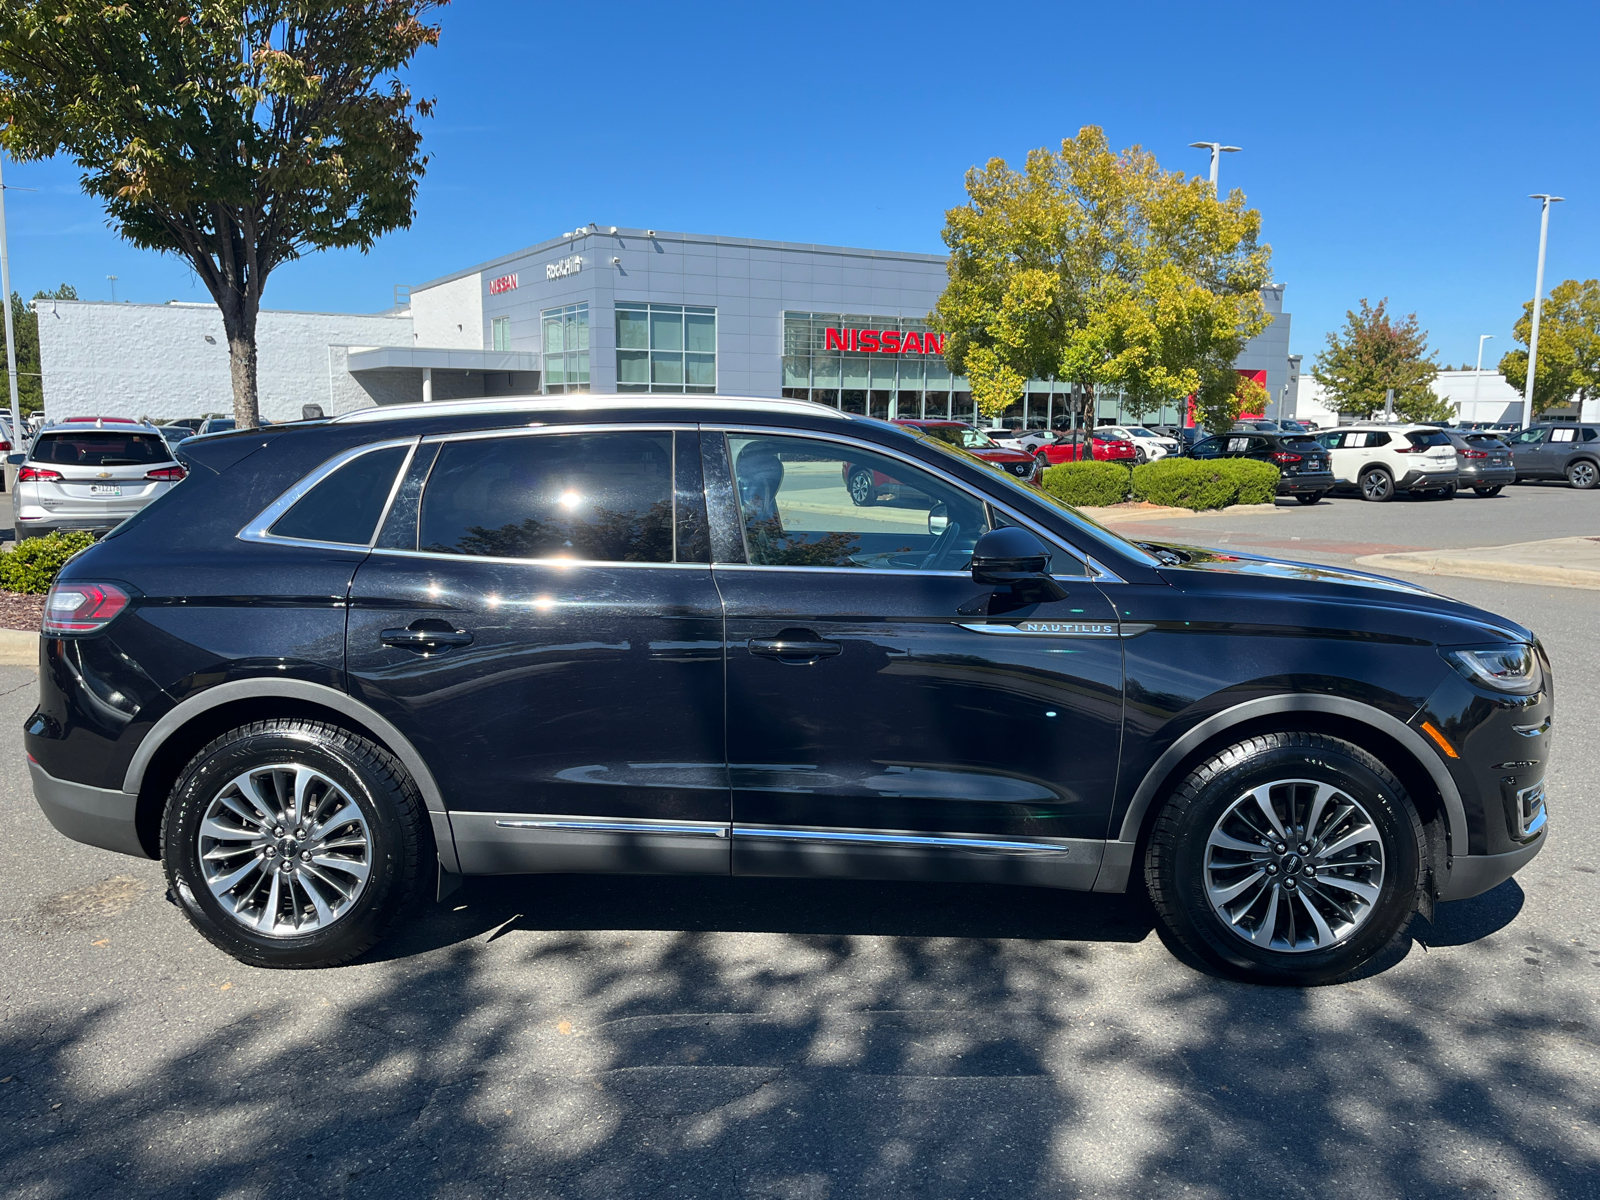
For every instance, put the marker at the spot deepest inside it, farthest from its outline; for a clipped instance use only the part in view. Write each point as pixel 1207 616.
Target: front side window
pixel 666 348
pixel 345 506
pixel 93 448
pixel 1210 448
pixel 566 348
pixel 808 503
pixel 598 497
pixel 1529 437
pixel 962 436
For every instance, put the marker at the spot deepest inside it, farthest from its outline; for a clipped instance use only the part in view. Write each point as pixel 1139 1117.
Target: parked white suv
pixel 1380 460
pixel 91 474
pixel 1147 443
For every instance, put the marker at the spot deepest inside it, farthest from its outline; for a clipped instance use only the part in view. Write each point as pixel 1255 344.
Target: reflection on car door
pixel 539 618
pixel 881 721
pixel 1530 453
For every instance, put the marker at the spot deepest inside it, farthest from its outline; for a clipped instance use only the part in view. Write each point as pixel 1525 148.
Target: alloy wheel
pixel 1582 475
pixel 284 850
pixel 1294 866
pixel 1376 485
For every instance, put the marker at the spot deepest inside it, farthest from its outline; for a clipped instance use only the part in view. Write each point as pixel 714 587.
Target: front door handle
pixel 422 638
pixel 794 646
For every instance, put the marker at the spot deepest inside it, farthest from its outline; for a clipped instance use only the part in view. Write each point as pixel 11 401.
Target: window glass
pixel 700 332
pixel 633 329
pixel 1589 435
pixel 666 328
pixel 1419 438
pixel 1563 435
pixel 603 497
pixel 669 348
pixel 345 506
pixel 1529 436
pixel 566 348
pixel 961 435
pixel 820 504
pixel 633 370
pixel 1209 448
pixel 97 449
pixel 1332 440
pixel 502 333
pixel 1238 445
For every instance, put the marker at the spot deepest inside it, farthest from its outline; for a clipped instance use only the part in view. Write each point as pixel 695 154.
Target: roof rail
pixel 584 402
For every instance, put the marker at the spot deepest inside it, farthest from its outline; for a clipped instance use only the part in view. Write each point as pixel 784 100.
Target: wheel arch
pixel 1391 741
pixel 177 736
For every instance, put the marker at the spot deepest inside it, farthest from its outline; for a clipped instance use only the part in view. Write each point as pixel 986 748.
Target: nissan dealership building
pixel 598 309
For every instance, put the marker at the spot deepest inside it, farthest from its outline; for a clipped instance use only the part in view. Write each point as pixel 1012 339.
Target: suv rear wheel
pixel 1583 475
pixel 295 843
pixel 1287 858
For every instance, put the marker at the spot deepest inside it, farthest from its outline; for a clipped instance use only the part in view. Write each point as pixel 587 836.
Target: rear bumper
pixel 1473 874
pixel 95 816
pixel 1427 481
pixel 1488 476
pixel 1300 485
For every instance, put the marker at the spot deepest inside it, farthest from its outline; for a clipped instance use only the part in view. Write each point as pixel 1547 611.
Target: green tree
pixel 236 136
pixel 25 326
pixel 1569 347
pixel 1375 352
pixel 1102 269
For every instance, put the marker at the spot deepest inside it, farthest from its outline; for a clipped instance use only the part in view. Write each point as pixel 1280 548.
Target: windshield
pixel 1138 431
pixel 1089 527
pixel 959 436
pixel 101 449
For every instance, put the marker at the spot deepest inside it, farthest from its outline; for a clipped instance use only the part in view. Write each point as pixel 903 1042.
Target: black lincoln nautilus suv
pixel 347 662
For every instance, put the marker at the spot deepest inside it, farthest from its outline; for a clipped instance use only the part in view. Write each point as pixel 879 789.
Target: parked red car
pixel 1069 447
pixel 958 433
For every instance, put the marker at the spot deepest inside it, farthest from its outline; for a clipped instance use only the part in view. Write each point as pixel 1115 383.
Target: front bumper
pixel 94 816
pixel 1473 874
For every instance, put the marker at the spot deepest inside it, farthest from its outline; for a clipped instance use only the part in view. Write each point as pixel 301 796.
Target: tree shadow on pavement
pixel 751 1038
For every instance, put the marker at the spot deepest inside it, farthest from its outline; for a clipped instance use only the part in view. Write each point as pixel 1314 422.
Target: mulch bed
pixel 21 610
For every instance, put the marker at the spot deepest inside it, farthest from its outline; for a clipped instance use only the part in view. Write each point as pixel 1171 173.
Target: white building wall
pixel 1489 398
pixel 449 316
pixel 155 360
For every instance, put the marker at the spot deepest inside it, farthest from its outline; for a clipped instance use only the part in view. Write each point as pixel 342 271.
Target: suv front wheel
pixel 1377 485
pixel 1287 858
pixel 295 843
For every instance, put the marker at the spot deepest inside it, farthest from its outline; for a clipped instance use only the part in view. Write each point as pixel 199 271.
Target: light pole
pixel 11 336
pixel 1217 151
pixel 1477 376
pixel 113 279
pixel 1538 302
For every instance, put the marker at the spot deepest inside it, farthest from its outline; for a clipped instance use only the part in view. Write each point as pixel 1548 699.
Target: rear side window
pixel 1419 439
pixel 1563 435
pixel 345 506
pixel 99 448
pixel 596 497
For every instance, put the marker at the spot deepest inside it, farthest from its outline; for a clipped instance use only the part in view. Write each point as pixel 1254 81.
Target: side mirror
pixel 938 519
pixel 1015 558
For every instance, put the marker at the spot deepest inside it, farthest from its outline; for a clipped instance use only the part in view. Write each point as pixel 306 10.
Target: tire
pixel 1583 475
pixel 1489 491
pixel 863 488
pixel 1310 499
pixel 1448 492
pixel 373 834
pixel 1377 485
pixel 1186 864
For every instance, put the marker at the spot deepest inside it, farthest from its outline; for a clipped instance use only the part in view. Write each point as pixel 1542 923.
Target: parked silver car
pixel 91 474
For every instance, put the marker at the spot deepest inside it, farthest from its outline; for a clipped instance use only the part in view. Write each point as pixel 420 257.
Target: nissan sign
pixel 883 341
pixel 505 283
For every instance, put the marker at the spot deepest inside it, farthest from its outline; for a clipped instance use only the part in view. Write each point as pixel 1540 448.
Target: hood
pixel 1258 579
pixel 1003 455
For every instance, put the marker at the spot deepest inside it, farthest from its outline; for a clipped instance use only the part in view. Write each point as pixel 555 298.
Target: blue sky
pixel 1390 147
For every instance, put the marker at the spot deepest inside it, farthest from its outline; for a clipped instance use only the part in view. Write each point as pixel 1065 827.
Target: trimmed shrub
pixel 1092 484
pixel 1202 484
pixel 34 564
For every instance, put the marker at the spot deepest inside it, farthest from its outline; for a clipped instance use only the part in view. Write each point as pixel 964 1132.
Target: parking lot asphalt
pixel 612 1037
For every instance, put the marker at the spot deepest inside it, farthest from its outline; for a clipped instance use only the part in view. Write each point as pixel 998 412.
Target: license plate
pixel 104 489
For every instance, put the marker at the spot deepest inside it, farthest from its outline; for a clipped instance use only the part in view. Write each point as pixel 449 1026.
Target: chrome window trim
pixel 438 556
pixel 840 570
pixel 698 829
pixel 909 839
pixel 257 530
pixel 1093 570
pixel 539 428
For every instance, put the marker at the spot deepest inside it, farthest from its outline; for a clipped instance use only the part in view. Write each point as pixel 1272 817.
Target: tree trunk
pixel 239 324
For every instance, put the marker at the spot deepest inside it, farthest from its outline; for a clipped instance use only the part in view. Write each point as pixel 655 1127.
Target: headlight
pixel 1512 668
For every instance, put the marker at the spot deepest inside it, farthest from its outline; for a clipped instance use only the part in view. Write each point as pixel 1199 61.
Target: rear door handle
pixel 426 639
pixel 793 649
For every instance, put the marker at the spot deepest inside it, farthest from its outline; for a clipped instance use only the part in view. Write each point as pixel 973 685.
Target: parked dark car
pixel 1302 463
pixel 1483 461
pixel 1570 452
pixel 348 662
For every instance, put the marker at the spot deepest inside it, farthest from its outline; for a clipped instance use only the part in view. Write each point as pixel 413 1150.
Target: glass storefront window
pixel 566 348
pixel 666 348
pixel 501 327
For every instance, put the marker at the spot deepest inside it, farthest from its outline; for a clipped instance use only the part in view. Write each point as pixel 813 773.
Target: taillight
pixel 82 607
pixel 43 474
pixel 1473 453
pixel 1284 456
pixel 4 445
pixel 1410 449
pixel 166 474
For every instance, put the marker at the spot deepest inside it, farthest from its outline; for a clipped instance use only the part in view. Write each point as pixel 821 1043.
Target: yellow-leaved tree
pixel 1100 269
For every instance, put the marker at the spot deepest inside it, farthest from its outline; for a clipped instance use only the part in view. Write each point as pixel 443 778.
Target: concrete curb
pixel 18 648
pixel 1561 562
pixel 1112 515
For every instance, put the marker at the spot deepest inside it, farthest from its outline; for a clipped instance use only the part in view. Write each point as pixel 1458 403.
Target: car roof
pixel 83 424
pixel 929 423
pixel 586 402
